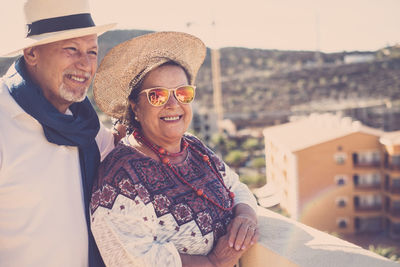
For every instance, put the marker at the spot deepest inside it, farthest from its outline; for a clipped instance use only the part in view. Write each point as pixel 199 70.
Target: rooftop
pixel 315 129
pixel 392 138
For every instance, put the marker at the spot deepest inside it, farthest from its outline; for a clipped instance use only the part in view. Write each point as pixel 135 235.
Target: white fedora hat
pixel 49 21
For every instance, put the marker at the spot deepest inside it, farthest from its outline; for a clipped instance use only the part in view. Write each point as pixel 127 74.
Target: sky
pixel 325 25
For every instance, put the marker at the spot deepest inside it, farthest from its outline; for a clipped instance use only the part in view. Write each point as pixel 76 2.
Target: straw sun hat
pixel 49 21
pixel 127 63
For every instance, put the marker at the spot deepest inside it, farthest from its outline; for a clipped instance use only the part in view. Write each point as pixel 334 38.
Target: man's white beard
pixel 71 95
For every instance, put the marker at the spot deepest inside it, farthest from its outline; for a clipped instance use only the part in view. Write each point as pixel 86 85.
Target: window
pixel 356 179
pixel 340 158
pixel 340 179
pixel 341 202
pixel 395 159
pixel 342 223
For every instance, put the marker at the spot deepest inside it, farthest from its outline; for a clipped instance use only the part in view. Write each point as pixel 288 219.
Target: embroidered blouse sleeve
pixel 126 235
pixel 242 192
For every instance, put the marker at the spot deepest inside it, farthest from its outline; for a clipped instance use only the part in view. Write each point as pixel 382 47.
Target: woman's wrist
pixel 212 259
pixel 244 210
pixel 198 260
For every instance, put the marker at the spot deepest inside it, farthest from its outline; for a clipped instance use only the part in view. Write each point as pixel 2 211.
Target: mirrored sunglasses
pixel 159 96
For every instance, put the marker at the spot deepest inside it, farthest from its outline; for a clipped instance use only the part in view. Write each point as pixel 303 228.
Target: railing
pixel 286 243
pixel 395 212
pixel 368 208
pixel 394 232
pixel 394 167
pixel 393 190
pixel 373 164
pixel 372 186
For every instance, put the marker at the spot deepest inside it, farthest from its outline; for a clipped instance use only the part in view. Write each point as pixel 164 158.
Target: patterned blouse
pixel 143 215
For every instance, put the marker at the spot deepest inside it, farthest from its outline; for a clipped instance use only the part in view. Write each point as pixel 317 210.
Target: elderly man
pixel 51 140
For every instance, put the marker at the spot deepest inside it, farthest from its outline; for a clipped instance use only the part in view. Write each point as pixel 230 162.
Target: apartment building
pixel 391 184
pixel 336 175
pixel 204 123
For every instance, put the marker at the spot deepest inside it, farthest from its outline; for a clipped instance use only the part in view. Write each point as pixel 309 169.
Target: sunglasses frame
pixel 169 93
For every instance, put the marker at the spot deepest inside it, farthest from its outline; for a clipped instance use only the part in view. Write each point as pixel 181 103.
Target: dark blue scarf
pixel 79 129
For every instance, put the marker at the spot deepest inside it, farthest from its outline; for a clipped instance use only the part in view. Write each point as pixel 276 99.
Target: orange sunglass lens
pixel 185 94
pixel 158 97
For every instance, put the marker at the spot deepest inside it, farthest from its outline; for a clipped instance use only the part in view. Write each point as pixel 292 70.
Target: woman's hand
pixel 241 235
pixel 243 229
pixel 223 255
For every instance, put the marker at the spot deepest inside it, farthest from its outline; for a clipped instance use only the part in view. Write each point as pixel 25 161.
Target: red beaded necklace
pixel 163 154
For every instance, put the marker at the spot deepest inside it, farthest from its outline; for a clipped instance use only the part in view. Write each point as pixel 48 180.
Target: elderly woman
pixel 163 198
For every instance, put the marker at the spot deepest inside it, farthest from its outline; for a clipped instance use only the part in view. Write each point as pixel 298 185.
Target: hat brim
pixel 57 36
pixel 135 58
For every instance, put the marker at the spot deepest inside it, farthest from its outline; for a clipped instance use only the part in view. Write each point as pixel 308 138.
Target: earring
pixel 136 118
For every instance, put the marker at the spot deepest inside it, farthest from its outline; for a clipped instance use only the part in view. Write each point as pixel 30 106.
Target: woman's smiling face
pixel 165 124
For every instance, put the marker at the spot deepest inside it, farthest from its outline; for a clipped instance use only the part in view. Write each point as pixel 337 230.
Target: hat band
pixel 60 24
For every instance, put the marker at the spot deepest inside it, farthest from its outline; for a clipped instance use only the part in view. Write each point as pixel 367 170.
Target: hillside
pixel 262 87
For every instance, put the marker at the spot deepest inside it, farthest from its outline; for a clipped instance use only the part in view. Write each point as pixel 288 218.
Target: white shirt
pixel 42 218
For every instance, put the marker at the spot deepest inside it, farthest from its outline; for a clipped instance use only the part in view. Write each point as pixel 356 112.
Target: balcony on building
pixel 395 190
pixel 371 224
pixel 367 159
pixel 392 186
pixel 369 181
pixel 392 162
pixel 393 167
pixel 368 203
pixel 394 208
pixel 393 229
pixel 395 212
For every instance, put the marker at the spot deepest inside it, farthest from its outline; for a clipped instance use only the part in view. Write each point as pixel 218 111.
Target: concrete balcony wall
pixel 286 243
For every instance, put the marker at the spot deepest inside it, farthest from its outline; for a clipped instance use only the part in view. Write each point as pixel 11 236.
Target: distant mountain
pixel 268 86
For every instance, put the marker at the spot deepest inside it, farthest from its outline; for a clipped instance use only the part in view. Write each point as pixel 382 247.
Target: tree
pixel 251 144
pixel 387 252
pixel 222 145
pixel 258 163
pixel 218 142
pixel 235 158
